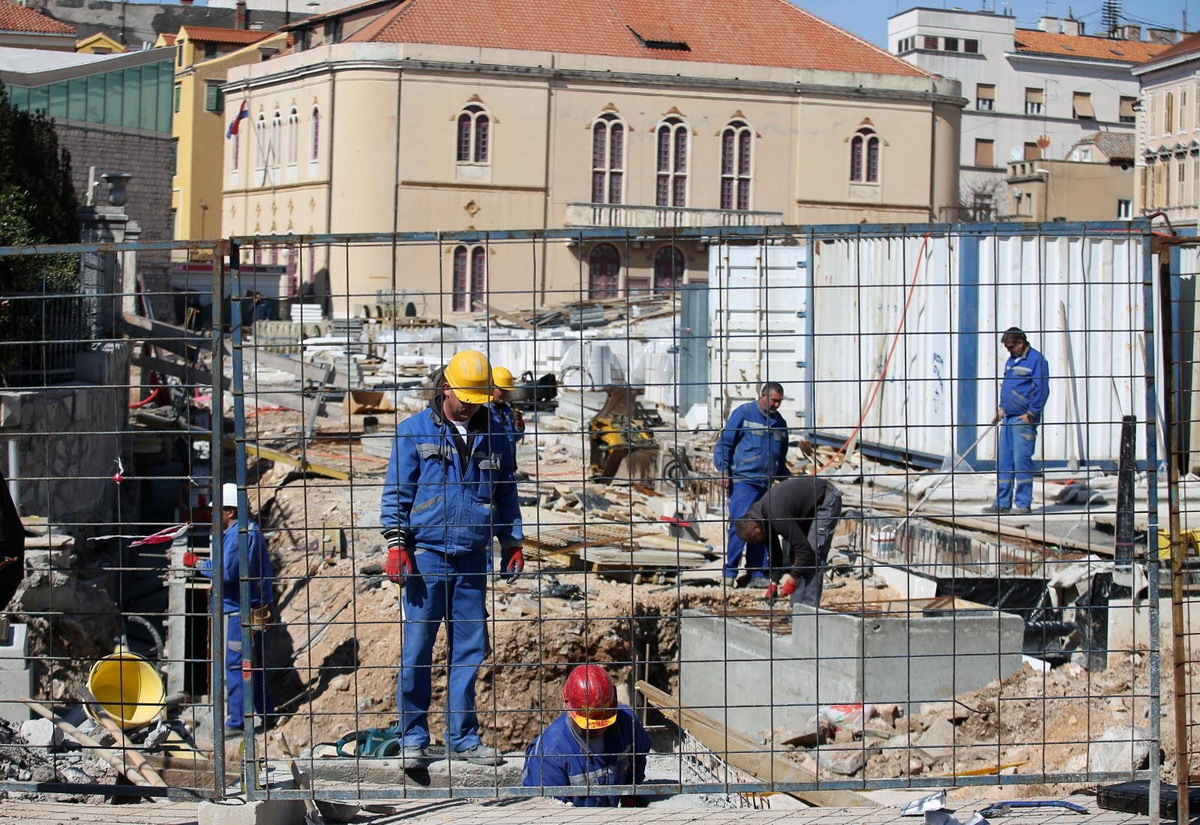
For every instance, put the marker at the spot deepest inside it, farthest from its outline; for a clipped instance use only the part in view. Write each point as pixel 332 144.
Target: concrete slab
pixel 753 680
pixel 435 773
pixel 262 812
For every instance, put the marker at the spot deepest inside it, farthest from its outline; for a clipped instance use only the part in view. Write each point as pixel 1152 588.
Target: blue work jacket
pixel 447 493
pixel 504 420
pixel 561 756
pixel 1026 385
pixel 262 583
pixel 752 446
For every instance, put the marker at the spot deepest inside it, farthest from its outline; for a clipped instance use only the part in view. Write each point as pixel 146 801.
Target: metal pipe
pixel 14 470
pixel 216 617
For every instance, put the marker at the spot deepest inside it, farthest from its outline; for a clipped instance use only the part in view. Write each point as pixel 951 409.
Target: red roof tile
pixel 1030 41
pixel 744 32
pixel 14 18
pixel 213 34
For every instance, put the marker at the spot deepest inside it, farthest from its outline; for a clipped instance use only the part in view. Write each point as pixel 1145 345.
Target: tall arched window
pixel 736 145
pixel 314 153
pixel 604 271
pixel 293 137
pixel 668 269
pixel 261 148
pixel 473 135
pixel 864 156
pixel 236 150
pixel 470 277
pixel 608 159
pixel 273 156
pixel 671 184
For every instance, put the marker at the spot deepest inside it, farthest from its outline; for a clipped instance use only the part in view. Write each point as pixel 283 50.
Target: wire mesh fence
pixel 826 526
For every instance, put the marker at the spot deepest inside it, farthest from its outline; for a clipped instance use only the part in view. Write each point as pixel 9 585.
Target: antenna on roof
pixel 1110 17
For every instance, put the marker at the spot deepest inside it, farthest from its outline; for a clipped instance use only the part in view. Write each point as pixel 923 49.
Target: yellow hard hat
pixel 502 378
pixel 470 377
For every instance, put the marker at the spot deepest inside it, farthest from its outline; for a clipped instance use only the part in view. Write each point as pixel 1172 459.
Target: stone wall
pixel 69 437
pixel 148 157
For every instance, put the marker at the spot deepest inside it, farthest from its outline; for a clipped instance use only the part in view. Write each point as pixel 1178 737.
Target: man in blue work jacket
pixel 751 453
pixel 449 491
pixel 262 597
pixel 1023 394
pixel 595 744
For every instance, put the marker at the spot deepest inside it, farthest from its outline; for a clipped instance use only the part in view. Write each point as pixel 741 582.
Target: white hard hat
pixel 229 494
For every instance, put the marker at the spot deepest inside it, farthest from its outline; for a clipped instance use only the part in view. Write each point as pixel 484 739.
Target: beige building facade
pixel 1095 182
pixel 1168 134
pixel 363 136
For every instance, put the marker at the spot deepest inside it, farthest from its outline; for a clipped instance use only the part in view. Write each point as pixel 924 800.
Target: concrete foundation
pixel 262 812
pixel 902 653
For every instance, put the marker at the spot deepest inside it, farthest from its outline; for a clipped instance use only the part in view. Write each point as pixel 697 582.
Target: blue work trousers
pixel 741 496
pixel 234 650
pixel 1014 463
pixel 449 589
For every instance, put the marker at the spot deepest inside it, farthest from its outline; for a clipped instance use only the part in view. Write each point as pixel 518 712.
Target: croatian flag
pixel 241 115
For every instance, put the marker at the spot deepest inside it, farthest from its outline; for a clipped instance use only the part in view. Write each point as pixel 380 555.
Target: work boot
pixel 480 754
pixel 1023 510
pixel 411 756
pixel 993 509
pixel 730 582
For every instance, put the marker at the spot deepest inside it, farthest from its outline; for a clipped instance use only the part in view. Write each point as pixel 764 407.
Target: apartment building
pixel 1168 134
pixel 1031 93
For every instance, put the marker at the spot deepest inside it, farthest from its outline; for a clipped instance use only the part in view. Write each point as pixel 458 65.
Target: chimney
pixel 1162 36
pixel 1129 31
pixel 240 17
pixel 1049 25
pixel 1071 27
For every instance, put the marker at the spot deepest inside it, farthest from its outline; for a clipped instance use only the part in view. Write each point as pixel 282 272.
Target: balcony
pixel 662 217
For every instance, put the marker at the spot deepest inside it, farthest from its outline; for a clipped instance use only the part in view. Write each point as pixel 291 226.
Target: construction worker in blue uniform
pixel 1023 395
pixel 595 744
pixel 505 417
pixel 751 452
pixel 262 598
pixel 449 491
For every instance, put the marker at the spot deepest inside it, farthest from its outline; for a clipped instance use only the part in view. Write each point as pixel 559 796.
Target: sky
pixel 868 18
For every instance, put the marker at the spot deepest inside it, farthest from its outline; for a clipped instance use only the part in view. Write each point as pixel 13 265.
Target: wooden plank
pixel 178 340
pixel 746 754
pixel 189 375
pixel 299 463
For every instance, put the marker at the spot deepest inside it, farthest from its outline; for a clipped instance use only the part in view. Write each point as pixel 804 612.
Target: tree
pixel 38 205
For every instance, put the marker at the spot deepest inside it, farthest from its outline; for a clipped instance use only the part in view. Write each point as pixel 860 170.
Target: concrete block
pixel 938 741
pixel 261 812
pixel 10 410
pixel 439 773
pixel 14 649
pixel 41 734
pixel 14 683
pixel 1120 750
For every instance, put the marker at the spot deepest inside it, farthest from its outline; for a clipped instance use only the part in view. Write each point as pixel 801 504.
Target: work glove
pixel 518 421
pixel 399 564
pixel 512 563
pixel 190 559
pixel 787 586
pixel 772 592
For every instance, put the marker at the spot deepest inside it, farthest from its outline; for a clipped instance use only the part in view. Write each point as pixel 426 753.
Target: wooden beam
pixel 746 754
pixel 297 462
pixel 189 375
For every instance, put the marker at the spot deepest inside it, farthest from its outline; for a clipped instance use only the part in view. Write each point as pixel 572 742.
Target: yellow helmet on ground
pixel 502 378
pixel 470 377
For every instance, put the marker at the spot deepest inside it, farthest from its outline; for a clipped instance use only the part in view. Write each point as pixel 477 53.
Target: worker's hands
pixel 190 559
pixel 787 586
pixel 399 564
pixel 999 415
pixel 1026 417
pixel 726 483
pixel 518 420
pixel 772 592
pixel 512 562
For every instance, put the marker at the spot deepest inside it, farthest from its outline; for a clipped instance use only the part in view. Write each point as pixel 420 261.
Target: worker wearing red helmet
pixel 595 744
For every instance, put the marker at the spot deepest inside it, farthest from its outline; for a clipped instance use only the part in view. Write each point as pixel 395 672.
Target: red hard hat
pixel 590 697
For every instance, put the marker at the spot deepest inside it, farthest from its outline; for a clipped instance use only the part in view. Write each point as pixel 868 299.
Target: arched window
pixel 608 159
pixel 293 137
pixel 604 271
pixel 315 149
pixel 236 149
pixel 864 156
pixel 736 145
pixel 671 184
pixel 668 269
pixel 473 135
pixel 273 159
pixel 261 148
pixel 470 277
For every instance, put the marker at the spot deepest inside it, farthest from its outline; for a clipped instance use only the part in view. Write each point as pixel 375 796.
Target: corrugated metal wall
pixel 931 307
